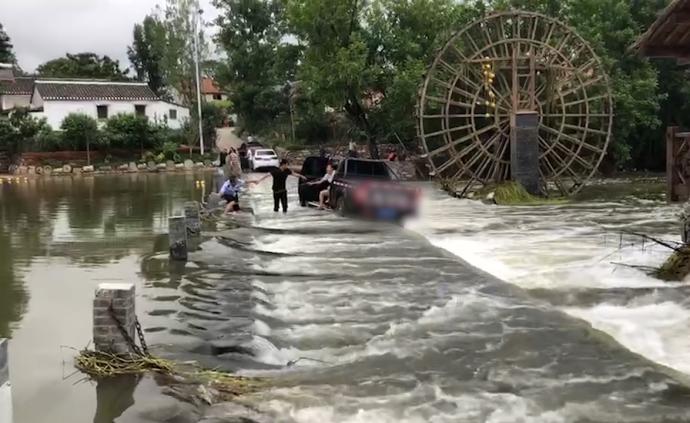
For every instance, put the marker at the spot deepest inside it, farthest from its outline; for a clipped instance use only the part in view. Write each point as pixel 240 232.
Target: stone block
pixel 141 166
pixel 31 170
pixel 192 220
pixel 177 234
pixel 123 167
pixel 179 166
pixel 4 362
pixel 87 169
pixel 113 302
pixel 161 166
pixel 151 165
pixel 132 167
pixel 188 164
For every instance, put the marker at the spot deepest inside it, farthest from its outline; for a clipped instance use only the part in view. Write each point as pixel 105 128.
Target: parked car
pixel 263 159
pixel 369 189
pixel 313 169
pixel 246 152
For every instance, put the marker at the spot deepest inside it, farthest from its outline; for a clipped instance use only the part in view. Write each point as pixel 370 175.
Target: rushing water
pixel 356 322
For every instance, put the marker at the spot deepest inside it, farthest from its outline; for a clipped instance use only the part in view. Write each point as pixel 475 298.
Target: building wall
pixel 209 97
pixel 8 102
pixel 56 111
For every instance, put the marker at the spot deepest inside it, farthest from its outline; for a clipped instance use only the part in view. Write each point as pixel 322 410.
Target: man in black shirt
pixel 280 176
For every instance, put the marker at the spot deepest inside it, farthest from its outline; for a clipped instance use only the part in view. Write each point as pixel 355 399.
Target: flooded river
pixel 352 322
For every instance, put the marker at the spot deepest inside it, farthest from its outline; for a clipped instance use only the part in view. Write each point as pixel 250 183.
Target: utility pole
pixel 197 27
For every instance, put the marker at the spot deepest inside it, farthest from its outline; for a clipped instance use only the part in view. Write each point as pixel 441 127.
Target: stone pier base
pixel 192 220
pixel 177 233
pixel 5 387
pixel 107 335
pixel 524 151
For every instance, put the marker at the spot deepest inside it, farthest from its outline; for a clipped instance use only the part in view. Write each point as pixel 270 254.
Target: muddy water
pixel 352 322
pixel 59 239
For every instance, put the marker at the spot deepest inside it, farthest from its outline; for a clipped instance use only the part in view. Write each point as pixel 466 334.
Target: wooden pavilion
pixel 669 37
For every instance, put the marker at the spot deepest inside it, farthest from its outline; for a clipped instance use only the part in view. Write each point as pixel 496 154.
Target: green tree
pixel 6 51
pixel 21 130
pixel 83 65
pixel 259 62
pixel 368 57
pixel 80 132
pixel 147 53
pixel 128 131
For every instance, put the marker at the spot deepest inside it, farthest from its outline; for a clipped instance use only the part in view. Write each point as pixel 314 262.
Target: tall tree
pixel 178 18
pixel 259 63
pixel 368 57
pixel 6 48
pixel 83 65
pixel 147 53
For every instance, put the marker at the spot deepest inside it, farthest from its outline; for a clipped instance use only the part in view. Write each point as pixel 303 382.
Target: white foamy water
pixel 358 322
pixel 570 249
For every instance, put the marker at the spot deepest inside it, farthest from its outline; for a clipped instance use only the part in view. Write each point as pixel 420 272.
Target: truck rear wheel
pixel 340 206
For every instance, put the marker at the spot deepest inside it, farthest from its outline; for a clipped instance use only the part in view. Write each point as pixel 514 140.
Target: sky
pixel 46 29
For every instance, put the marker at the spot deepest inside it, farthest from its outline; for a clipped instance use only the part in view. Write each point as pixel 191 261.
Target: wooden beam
pixel 675 51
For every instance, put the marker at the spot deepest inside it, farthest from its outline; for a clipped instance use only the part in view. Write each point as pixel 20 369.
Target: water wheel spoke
pixel 581 86
pixel 585 130
pixel 449 102
pixel 566 164
pixel 448 131
pixel 458 141
pixel 577 141
pixel 586 100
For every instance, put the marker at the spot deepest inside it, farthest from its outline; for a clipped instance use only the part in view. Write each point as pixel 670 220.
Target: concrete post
pixel 524 150
pixel 192 220
pixel 177 234
pixel 107 336
pixel 5 387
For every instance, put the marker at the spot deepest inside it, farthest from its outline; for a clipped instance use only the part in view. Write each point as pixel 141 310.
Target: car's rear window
pixel 265 153
pixel 367 168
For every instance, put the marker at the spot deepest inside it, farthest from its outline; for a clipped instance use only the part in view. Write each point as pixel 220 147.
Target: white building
pixel 54 99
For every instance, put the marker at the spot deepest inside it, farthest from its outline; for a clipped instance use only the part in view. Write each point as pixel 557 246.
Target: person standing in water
pixel 280 176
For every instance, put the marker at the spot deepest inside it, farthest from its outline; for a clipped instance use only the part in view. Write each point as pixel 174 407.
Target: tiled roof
pixel 94 90
pixel 209 86
pixel 20 86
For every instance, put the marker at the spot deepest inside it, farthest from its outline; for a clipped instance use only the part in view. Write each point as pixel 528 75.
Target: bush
pixel 169 151
pixel 128 131
pixel 21 130
pixel 79 132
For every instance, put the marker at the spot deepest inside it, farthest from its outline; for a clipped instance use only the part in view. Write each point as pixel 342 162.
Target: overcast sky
pixel 45 29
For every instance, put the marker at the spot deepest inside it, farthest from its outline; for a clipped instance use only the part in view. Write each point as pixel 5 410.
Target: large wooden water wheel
pixel 498 67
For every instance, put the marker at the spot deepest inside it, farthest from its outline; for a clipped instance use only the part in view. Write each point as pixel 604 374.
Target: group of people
pixel 232 187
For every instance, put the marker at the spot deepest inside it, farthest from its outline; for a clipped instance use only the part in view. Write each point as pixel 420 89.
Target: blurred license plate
pixel 387 214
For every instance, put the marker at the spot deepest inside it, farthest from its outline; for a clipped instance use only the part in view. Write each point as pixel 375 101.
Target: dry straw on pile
pixel 103 365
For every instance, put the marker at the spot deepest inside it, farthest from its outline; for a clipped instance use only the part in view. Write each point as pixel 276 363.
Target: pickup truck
pixel 370 189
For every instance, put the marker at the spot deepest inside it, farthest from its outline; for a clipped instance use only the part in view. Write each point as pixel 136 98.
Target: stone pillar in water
pixel 107 335
pixel 524 150
pixel 5 387
pixel 177 232
pixel 191 215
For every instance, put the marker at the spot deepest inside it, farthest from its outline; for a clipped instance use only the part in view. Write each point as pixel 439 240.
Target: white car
pixel 263 158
